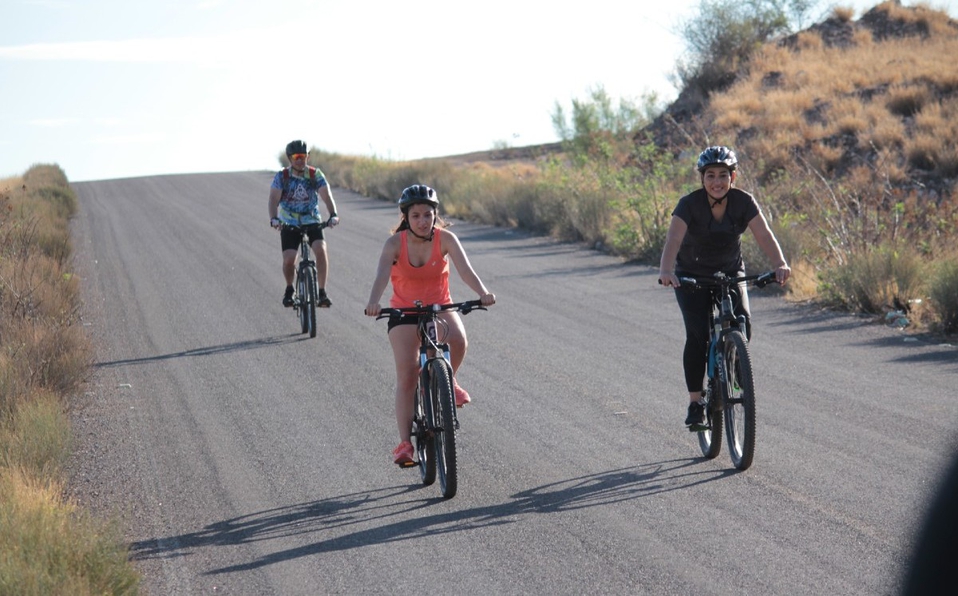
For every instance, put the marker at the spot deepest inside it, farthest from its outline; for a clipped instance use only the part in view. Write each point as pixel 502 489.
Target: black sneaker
pixel 288 297
pixel 696 415
pixel 322 300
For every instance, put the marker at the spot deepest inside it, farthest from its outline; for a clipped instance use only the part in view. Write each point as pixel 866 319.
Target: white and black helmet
pixel 717 155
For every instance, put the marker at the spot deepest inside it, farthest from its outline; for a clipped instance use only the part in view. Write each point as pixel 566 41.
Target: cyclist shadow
pixel 380 516
pixel 238 346
pixel 620 485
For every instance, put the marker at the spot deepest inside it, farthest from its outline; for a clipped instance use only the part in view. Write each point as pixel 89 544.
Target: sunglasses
pixel 297 156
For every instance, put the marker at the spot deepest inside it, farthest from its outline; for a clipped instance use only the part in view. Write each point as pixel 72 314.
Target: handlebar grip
pixel 765 279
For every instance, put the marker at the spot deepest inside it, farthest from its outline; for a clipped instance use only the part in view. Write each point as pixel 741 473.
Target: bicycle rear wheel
pixel 440 384
pixel 739 401
pixel 423 436
pixel 710 441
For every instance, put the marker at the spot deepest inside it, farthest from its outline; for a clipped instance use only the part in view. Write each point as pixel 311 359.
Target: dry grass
pixel 811 93
pixel 47 546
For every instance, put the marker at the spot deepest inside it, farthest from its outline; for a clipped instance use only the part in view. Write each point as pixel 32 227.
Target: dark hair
pixel 418 194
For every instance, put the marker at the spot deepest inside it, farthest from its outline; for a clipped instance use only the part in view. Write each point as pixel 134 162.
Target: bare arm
pixel 275 195
pixel 769 244
pixel 673 241
pixel 386 259
pixel 453 248
pixel 327 196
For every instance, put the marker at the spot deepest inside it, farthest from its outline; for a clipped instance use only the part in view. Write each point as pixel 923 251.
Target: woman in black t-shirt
pixel 705 237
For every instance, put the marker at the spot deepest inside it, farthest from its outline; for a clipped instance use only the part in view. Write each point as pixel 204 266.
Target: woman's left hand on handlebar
pixel 669 280
pixel 487 299
pixel 782 274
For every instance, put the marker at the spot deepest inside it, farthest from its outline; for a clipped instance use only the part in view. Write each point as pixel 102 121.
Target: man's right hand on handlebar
pixel 275 223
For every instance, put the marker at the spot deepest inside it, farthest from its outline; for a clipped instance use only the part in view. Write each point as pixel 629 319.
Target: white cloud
pixel 53 122
pixel 135 139
pixel 238 48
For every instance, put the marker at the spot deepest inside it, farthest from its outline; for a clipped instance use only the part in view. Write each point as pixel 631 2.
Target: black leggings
pixel 696 306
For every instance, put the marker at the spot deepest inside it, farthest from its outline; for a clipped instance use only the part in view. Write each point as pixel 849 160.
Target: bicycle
pixel 307 286
pixel 434 422
pixel 730 392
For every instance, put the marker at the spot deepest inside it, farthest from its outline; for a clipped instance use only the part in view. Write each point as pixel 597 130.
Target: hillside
pixel 880 93
pixel 845 99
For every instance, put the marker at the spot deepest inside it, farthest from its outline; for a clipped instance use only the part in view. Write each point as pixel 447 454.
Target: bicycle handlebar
pixel 760 280
pixel 322 224
pixel 463 307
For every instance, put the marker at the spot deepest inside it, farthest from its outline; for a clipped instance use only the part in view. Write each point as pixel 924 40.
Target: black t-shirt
pixel 709 245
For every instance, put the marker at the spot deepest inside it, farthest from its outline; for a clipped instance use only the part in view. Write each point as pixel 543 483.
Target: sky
pixel 121 88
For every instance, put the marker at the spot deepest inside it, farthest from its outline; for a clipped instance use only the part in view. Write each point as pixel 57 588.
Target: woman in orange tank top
pixel 415 259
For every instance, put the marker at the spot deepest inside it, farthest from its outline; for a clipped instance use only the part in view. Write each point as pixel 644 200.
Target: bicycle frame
pixel 722 319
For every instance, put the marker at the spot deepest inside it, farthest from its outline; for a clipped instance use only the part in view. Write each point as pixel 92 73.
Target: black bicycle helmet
pixel 295 147
pixel 717 155
pixel 418 193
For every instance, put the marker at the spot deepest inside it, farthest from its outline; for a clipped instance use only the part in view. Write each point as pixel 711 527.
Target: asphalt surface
pixel 242 458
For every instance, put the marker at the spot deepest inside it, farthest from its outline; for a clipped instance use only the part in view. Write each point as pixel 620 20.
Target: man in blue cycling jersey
pixel 294 201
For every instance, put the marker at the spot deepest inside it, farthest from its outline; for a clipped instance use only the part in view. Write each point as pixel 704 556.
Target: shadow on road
pixel 239 346
pixel 396 513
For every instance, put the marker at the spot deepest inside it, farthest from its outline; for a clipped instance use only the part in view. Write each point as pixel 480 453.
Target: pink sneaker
pixel 403 453
pixel 462 396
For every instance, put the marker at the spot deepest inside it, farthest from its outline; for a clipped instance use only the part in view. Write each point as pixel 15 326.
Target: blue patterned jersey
pixel 299 203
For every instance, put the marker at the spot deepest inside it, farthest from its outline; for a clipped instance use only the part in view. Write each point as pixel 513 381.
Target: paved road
pixel 244 459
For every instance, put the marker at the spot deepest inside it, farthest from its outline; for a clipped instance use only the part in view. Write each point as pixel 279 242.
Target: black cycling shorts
pixel 395 321
pixel 291 237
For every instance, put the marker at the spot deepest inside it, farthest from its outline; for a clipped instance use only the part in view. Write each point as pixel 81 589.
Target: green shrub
pixel 944 294
pixel 871 281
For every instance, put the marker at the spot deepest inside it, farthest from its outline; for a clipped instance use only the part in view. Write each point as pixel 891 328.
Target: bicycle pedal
pixel 699 428
pixel 409 464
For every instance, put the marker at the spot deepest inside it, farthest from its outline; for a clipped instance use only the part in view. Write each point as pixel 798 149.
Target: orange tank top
pixel 429 284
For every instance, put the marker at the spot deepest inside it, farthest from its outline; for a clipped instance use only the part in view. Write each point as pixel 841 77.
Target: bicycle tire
pixel 300 303
pixel 710 441
pixel 440 383
pixel 423 435
pixel 739 400
pixel 311 301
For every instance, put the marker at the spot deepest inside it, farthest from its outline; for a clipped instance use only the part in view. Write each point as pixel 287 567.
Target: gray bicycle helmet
pixel 418 193
pixel 295 147
pixel 717 155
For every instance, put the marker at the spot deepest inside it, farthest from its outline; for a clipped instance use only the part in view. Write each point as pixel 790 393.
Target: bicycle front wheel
pixel 310 301
pixel 423 436
pixel 440 385
pixel 739 400
pixel 710 441
pixel 301 295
